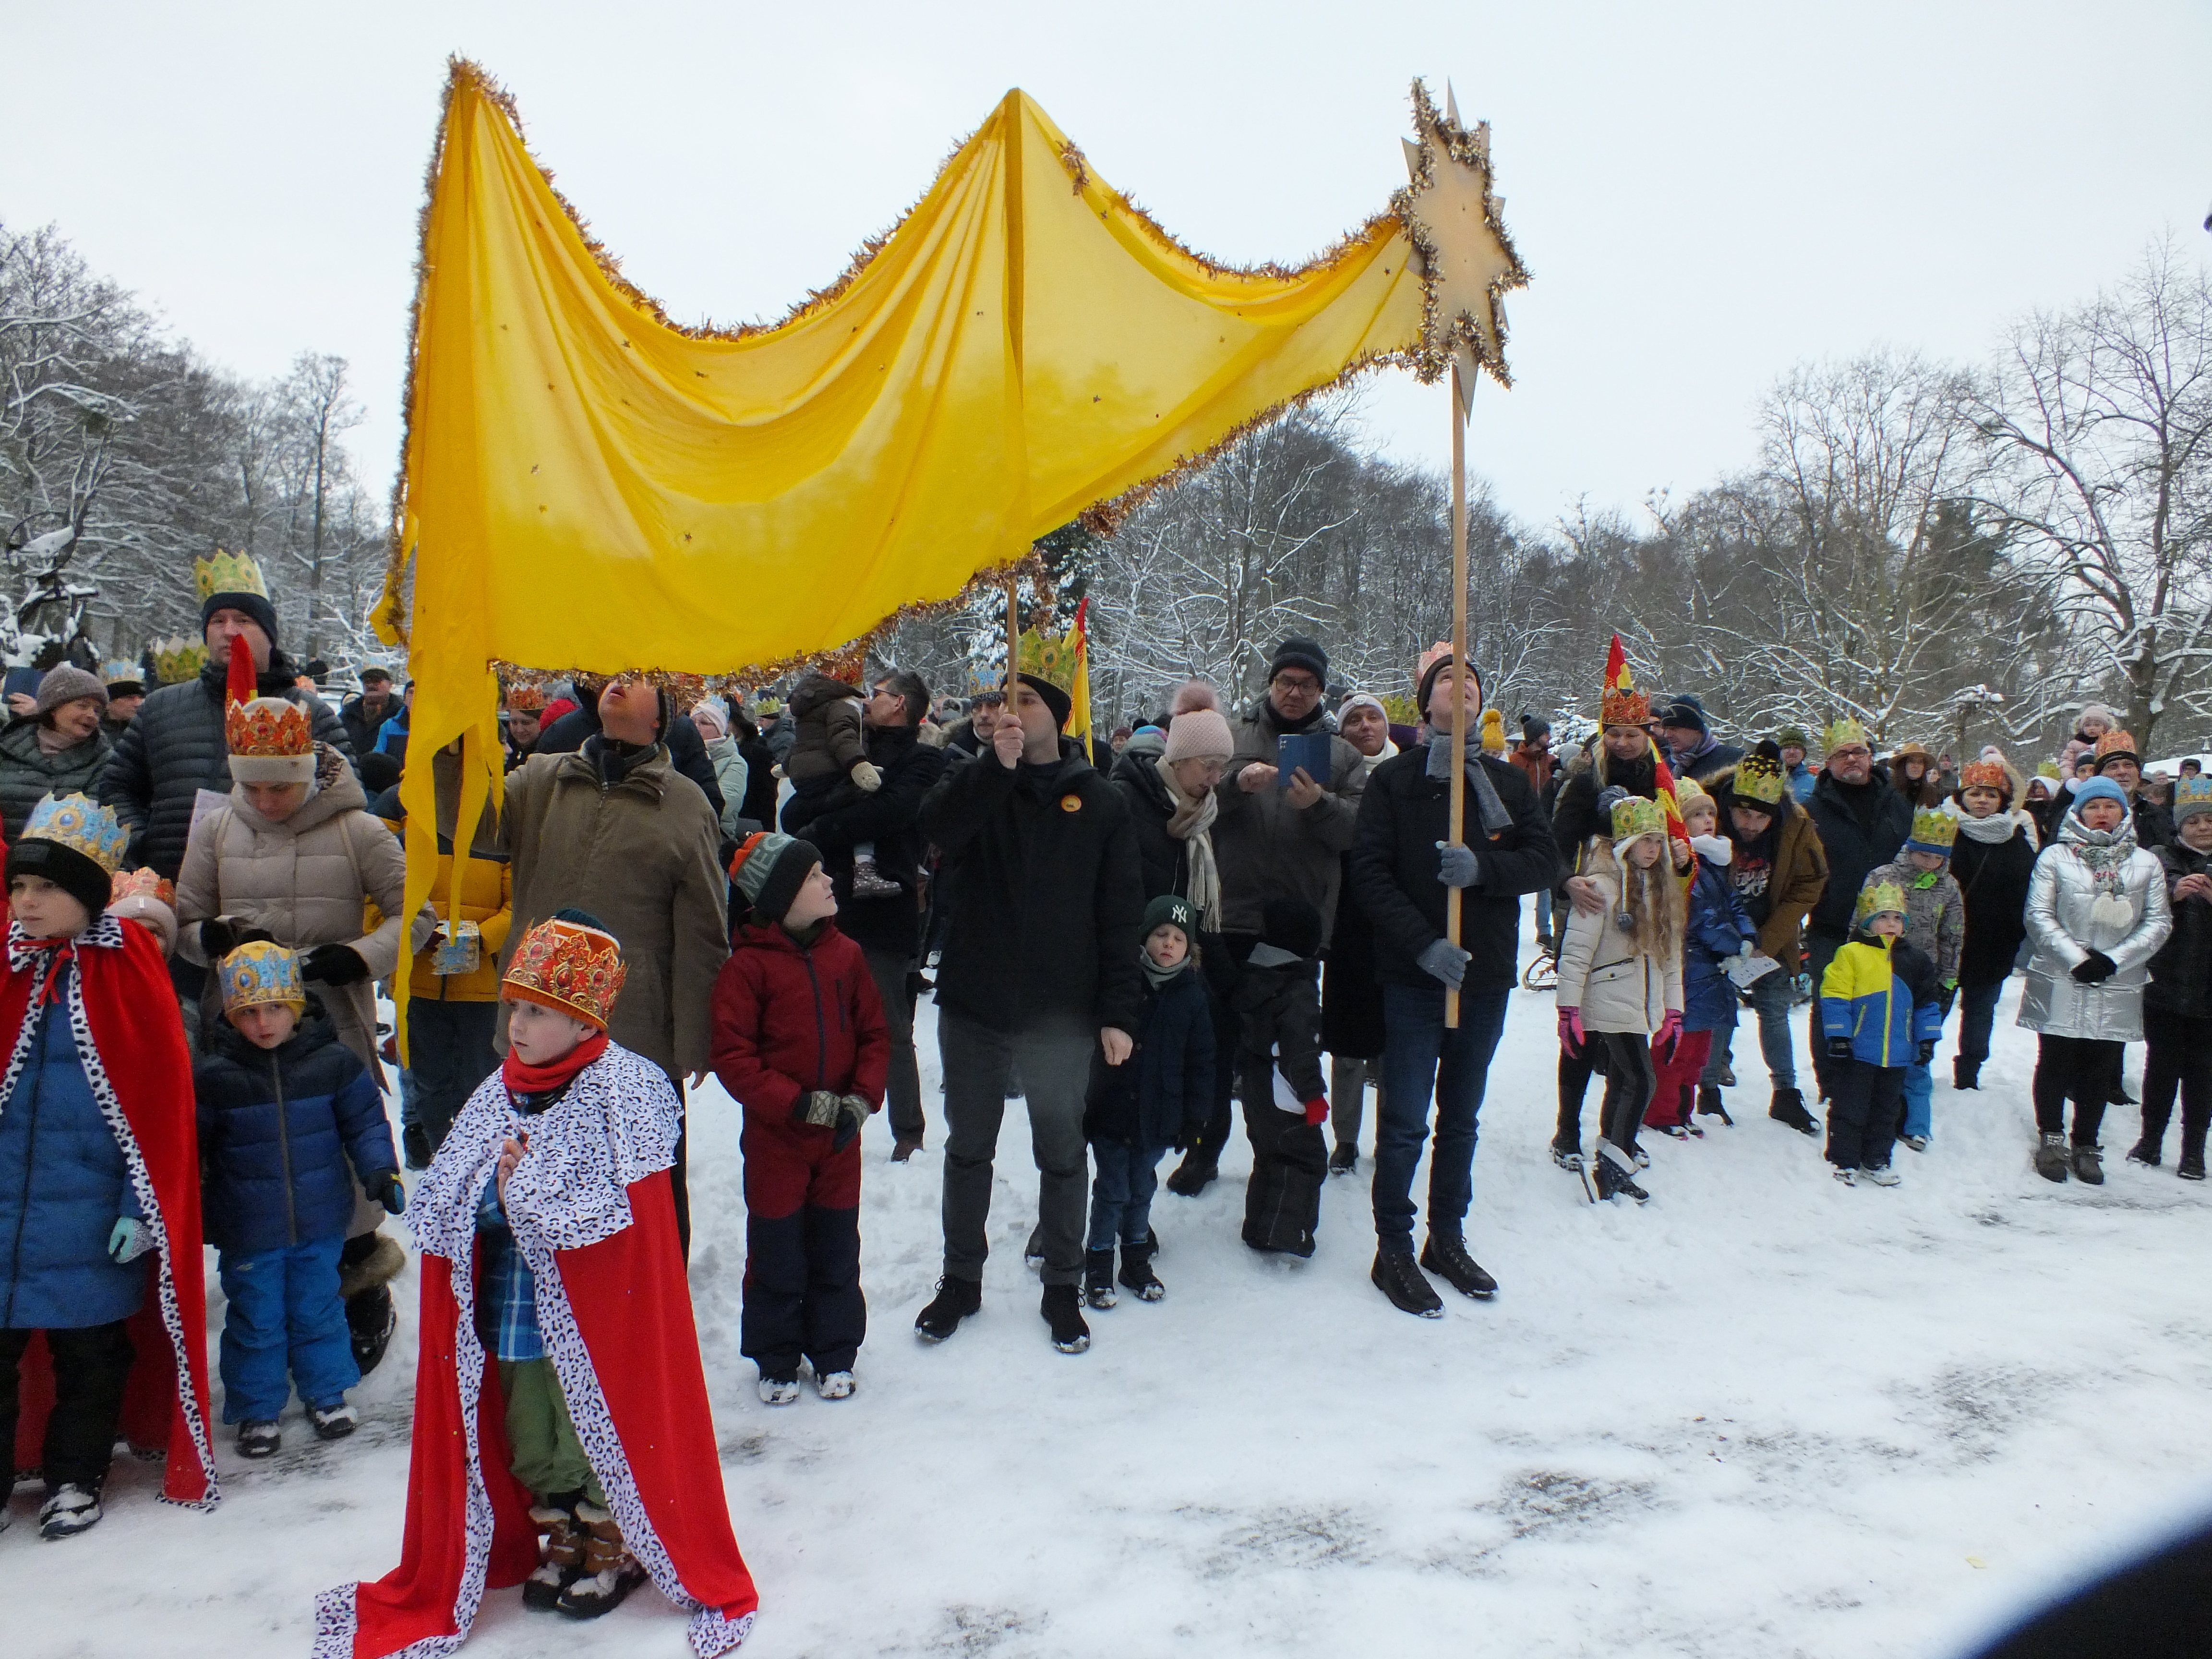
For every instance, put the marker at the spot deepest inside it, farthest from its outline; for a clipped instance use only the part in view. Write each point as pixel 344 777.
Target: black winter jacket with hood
pixel 2181 972
pixel 1159 1096
pixel 1863 827
pixel 890 818
pixel 1042 895
pixel 1993 878
pixel 1402 816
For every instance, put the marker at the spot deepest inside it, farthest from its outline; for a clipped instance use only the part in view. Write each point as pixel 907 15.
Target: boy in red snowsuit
pixel 799 1041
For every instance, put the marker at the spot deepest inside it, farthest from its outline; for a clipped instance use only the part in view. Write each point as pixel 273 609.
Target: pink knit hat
pixel 1200 735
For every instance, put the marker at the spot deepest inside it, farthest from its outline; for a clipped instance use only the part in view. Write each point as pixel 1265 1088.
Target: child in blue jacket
pixel 1880 1015
pixel 1716 929
pixel 284 1108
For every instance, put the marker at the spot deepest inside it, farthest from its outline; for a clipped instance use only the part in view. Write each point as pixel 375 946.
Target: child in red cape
pixel 100 1191
pixel 559 1389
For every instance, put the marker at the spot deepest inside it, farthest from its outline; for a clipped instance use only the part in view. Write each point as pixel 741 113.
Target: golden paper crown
pixel 1984 775
pixel 261 972
pixel 2116 742
pixel 227 573
pixel 1637 816
pixel 1837 733
pixel 76 823
pixel 1934 830
pixel 1687 790
pixel 1760 781
pixel 178 660
pixel 1879 898
pixel 142 884
pixel 1048 657
pixel 1627 707
pixel 571 968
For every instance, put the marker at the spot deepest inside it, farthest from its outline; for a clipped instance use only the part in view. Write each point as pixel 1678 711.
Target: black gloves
pixel 1927 1050
pixel 221 935
pixel 383 1188
pixel 334 964
pixel 1945 998
pixel 1839 1047
pixel 2095 968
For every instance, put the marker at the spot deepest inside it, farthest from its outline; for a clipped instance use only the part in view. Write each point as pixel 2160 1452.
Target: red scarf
pixel 522 1078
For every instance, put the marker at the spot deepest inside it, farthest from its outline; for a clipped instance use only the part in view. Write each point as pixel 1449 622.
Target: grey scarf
pixel 1489 811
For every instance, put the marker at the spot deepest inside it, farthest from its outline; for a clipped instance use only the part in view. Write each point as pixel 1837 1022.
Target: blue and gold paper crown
pixel 83 826
pixel 261 972
pixel 120 669
pixel 227 573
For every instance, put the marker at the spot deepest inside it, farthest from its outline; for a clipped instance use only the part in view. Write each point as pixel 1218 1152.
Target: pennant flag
pixel 1078 699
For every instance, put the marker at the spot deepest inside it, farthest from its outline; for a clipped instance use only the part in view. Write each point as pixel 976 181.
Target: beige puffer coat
pixel 1618 986
pixel 307 880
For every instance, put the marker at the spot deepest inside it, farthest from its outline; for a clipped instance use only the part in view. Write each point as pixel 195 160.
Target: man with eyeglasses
pixel 1274 838
pixel 1863 824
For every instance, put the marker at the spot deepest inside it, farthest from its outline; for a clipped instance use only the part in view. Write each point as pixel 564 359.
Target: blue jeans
pixel 285 1313
pixel 1544 913
pixel 1919 1091
pixel 1121 1193
pixel 1778 1045
pixel 1421 1058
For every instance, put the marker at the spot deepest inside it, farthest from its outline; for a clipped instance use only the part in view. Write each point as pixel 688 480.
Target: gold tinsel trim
pixel 1434 355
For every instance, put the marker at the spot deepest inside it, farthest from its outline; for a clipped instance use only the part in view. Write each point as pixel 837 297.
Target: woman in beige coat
pixel 1620 977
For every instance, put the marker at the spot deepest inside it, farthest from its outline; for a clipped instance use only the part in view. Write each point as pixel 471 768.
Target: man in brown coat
pixel 615 829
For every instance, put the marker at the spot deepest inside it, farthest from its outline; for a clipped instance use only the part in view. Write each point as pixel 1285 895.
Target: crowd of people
pixel 1261 908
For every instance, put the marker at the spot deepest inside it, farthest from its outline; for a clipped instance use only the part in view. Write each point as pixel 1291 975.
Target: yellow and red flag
pixel 1078 695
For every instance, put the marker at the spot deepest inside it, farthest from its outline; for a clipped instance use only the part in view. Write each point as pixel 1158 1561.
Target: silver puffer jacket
pixel 2072 912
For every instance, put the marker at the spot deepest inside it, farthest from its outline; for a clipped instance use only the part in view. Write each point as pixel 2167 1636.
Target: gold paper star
pixel 1466 260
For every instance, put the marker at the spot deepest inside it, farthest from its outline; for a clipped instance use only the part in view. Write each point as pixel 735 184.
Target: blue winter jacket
pixel 64 1185
pixel 1715 928
pixel 1882 997
pixel 277 1126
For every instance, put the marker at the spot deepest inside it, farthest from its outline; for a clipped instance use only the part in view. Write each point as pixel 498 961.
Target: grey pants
pixel 1055 1065
pixel 1348 1095
pixel 903 1088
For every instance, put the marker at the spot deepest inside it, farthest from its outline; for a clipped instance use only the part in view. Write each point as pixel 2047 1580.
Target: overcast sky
pixel 1704 192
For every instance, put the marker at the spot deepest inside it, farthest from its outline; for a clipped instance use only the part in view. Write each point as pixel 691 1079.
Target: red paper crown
pixel 1983 774
pixel 268 728
pixel 141 884
pixel 573 969
pixel 1622 703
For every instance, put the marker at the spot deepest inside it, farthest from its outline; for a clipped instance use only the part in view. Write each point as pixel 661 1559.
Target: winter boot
pixel 68 1510
pixel 2050 1157
pixel 1710 1104
pixel 1137 1273
pixel 1882 1176
pixel 370 1320
pixel 335 1421
pixel 2089 1166
pixel 610 1571
pixel 777 1390
pixel 1397 1276
pixel 1445 1255
pixel 835 1385
pixel 1062 1309
pixel 1344 1159
pixel 1567 1157
pixel 1788 1107
pixel 1965 1073
pixel 1098 1278
pixel 1728 1075
pixel 562 1563
pixel 1194 1175
pixel 2146 1153
pixel 416 1141
pixel 1613 1181
pixel 868 882
pixel 1848 1173
pixel 2192 1167
pixel 955 1300
pixel 258 1440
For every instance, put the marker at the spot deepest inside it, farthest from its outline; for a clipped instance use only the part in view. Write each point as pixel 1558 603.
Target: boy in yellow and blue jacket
pixel 1880 1014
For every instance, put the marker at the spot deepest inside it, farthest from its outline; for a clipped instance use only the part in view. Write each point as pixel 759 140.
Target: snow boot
pixel 370 1321
pixel 333 1422
pixel 1398 1276
pixel 68 1510
pixel 955 1300
pixel 1965 1073
pixel 1710 1104
pixel 777 1390
pixel 1881 1176
pixel 1344 1159
pixel 610 1571
pixel 2050 1157
pixel 1062 1309
pixel 258 1440
pixel 1848 1173
pixel 1567 1157
pixel 1098 1278
pixel 1194 1175
pixel 1788 1107
pixel 2192 1167
pixel 1137 1273
pixel 1913 1143
pixel 563 1564
pixel 1445 1255
pixel 1613 1181
pixel 835 1385
pixel 2146 1154
pixel 416 1140
pixel 868 882
pixel 2089 1166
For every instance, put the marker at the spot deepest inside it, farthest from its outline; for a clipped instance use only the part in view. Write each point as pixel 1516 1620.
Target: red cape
pixel 469 1529
pixel 141 1073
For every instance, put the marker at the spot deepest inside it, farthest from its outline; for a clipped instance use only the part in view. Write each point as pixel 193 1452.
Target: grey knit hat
pixel 66 683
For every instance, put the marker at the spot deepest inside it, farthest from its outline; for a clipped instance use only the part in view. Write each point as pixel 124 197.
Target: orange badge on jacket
pixel 1071 803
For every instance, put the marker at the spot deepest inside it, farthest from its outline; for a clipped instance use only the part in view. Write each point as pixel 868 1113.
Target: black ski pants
pixel 2179 1058
pixel 2085 1070
pixel 1290 1162
pixel 92 1364
pixel 1866 1106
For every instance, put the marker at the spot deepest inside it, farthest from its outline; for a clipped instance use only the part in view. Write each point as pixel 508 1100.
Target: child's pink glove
pixel 1570 1032
pixel 1669 1034
pixel 1317 1111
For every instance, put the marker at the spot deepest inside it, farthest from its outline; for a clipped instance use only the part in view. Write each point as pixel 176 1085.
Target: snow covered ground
pixel 1764 1416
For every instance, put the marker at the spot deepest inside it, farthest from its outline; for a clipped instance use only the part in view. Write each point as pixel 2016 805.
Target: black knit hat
pixel 1292 925
pixel 73 872
pixel 769 869
pixel 1428 682
pixel 1298 652
pixel 252 605
pixel 1054 699
pixel 1682 710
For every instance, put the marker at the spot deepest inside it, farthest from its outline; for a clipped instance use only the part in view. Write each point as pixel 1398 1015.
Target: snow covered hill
pixel 1764 1416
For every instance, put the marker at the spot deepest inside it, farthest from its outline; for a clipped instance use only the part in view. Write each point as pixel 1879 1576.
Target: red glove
pixel 1317 1111
pixel 1669 1034
pixel 1570 1032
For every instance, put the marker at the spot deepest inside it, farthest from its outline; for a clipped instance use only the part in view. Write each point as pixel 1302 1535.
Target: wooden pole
pixel 1452 896
pixel 1013 633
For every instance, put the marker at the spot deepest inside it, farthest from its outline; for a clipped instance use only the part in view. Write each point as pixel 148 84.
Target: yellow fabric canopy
pixel 588 486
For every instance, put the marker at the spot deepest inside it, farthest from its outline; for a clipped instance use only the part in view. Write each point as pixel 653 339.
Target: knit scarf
pixel 1997 829
pixel 523 1078
pixel 1157 977
pixel 2105 854
pixel 1490 811
pixel 1191 823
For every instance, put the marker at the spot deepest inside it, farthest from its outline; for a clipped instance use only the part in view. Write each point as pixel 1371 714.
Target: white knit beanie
pixel 1200 735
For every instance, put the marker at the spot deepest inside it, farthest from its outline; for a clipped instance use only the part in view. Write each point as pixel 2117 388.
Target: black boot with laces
pixel 1400 1277
pixel 955 1300
pixel 1445 1254
pixel 1062 1308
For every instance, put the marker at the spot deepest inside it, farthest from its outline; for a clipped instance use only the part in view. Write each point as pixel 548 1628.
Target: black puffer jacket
pixel 1158 1096
pixel 28 774
pixel 364 725
pixel 175 749
pixel 1042 893
pixel 1403 815
pixel 889 818
pixel 2181 972
pixel 1993 878
pixel 1575 817
pixel 1164 860
pixel 1862 827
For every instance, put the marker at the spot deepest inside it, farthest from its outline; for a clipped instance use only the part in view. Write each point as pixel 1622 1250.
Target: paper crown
pixel 1622 703
pixel 227 573
pixel 1983 774
pixel 1048 657
pixel 526 700
pixel 2113 742
pixel 178 660
pixel 1637 816
pixel 120 669
pixel 80 824
pixel 1760 781
pixel 142 884
pixel 271 742
pixel 1687 790
pixel 1838 734
pixel 2190 796
pixel 2046 769
pixel 1934 830
pixel 259 973
pixel 1879 898
pixel 571 968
